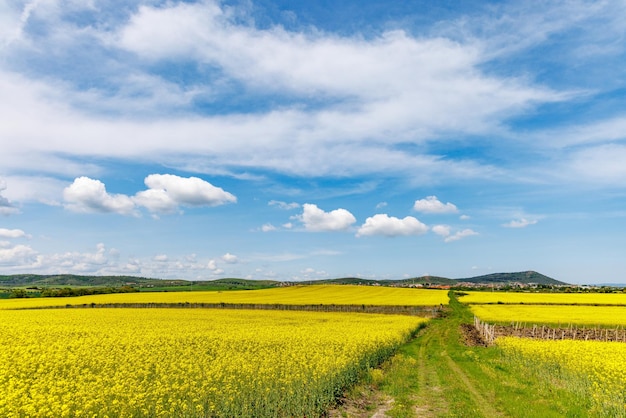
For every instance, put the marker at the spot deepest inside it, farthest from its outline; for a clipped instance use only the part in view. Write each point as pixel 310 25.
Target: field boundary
pixel 489 332
pixel 422 311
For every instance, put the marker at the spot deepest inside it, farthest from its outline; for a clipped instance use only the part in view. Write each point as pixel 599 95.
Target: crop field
pixel 294 295
pixel 556 315
pixel 591 368
pixel 186 362
pixel 544 298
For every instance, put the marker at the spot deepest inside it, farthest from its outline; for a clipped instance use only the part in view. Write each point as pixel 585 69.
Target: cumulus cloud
pixel 12 233
pixel 17 255
pixel 383 224
pixel 316 220
pixel 230 258
pixel 89 195
pixel 519 223
pixel 441 230
pixel 211 265
pixel 432 205
pixel 165 194
pixel 268 227
pixel 445 231
pixel 191 191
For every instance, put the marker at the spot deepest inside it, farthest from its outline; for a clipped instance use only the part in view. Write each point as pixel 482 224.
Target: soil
pixel 471 336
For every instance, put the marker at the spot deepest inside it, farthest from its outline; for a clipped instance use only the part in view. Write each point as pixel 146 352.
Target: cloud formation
pixel 89 195
pixel 432 205
pixel 230 258
pixel 12 233
pixel 445 231
pixel 424 87
pixel 389 226
pixel 165 194
pixel 17 255
pixel 519 223
pixel 6 207
pixel 316 220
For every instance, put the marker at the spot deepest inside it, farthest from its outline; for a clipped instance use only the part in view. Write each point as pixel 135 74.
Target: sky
pixel 287 140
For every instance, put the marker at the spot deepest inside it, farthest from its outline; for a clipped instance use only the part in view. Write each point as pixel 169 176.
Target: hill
pixel 21 280
pixel 70 280
pixel 525 277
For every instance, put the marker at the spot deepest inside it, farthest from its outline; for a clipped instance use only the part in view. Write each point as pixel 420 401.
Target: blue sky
pixel 307 140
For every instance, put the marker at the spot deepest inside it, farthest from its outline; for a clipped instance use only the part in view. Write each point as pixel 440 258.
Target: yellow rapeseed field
pixel 545 298
pixel 553 314
pixel 185 362
pixel 599 365
pixel 295 295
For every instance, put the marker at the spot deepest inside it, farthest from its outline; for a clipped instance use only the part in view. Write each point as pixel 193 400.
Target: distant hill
pixel 430 280
pixel 525 277
pixel 19 280
pixel 70 280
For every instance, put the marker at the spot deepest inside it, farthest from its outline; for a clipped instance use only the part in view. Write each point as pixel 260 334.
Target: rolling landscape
pixel 70 280
pixel 312 209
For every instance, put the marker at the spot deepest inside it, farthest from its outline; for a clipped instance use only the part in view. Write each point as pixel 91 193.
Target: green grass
pixel 437 375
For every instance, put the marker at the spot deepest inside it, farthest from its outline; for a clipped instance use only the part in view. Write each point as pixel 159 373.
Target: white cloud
pixel 432 205
pixel 372 93
pixel 381 205
pixel 268 227
pixel 441 230
pixel 461 234
pixel 166 192
pixel 382 224
pixel 315 219
pixel 521 223
pixel 211 265
pixel 161 258
pixel 17 256
pixel 42 189
pixel 12 233
pixel 191 191
pixel 89 195
pixel 284 205
pixel 445 231
pixel 602 163
pixel 464 217
pixel 230 258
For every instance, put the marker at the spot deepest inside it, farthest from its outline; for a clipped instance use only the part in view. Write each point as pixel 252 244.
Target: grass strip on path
pixel 438 375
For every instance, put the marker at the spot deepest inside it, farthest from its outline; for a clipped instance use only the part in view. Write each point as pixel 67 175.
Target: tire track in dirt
pixel 481 403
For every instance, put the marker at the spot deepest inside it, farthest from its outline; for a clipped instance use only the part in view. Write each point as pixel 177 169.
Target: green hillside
pixel 525 277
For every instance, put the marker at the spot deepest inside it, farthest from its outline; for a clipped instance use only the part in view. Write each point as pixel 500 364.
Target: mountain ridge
pixel 55 280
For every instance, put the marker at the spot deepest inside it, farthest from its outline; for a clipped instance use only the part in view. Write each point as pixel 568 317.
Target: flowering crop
pixel 600 366
pixel 552 314
pixel 295 295
pixel 546 298
pixel 186 362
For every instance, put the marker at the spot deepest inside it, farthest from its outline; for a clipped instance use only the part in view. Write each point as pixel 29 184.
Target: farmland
pixel 544 298
pixel 186 362
pixel 175 361
pixel 590 361
pixel 556 315
pixel 293 295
